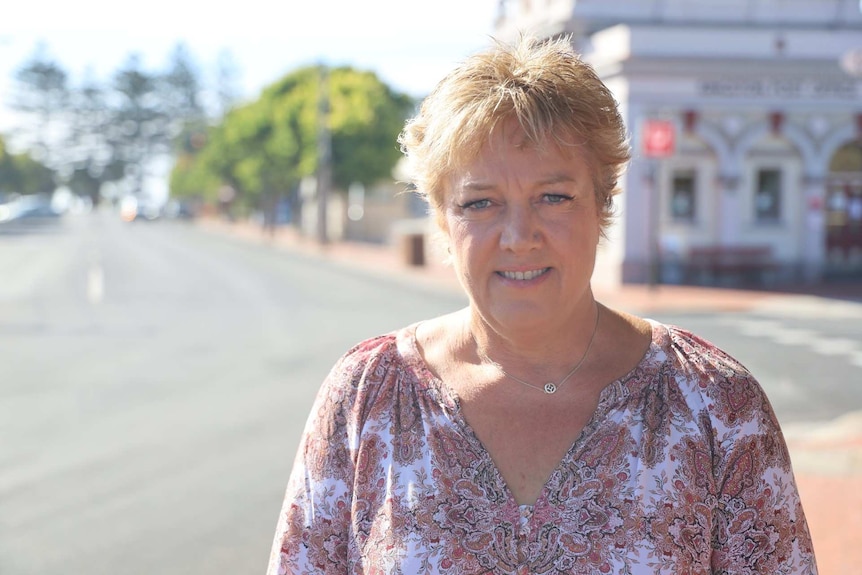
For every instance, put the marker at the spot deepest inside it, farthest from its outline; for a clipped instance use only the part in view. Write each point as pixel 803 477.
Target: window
pixel 683 207
pixel 767 196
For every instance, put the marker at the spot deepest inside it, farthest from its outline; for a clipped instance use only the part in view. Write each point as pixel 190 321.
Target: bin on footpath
pixel 409 236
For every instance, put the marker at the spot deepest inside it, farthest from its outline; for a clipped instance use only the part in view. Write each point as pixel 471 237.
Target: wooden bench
pixel 730 264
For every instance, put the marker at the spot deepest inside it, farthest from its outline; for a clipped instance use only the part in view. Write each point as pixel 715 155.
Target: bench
pixel 730 264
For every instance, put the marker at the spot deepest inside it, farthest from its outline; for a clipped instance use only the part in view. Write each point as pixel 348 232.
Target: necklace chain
pixel 550 387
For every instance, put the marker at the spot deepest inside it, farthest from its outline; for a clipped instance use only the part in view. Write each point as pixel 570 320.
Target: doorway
pixel 843 212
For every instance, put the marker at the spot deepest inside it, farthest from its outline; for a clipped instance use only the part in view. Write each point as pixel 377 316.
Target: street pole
pixel 658 142
pixel 654 222
pixel 324 154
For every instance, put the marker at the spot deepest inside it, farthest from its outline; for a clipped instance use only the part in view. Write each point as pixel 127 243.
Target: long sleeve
pixel 313 526
pixel 314 529
pixel 759 526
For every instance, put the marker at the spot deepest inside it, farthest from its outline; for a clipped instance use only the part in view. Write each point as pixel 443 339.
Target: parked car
pixel 27 210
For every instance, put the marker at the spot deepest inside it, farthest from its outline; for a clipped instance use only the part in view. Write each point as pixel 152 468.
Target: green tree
pixel 366 117
pixel 266 147
pixel 21 174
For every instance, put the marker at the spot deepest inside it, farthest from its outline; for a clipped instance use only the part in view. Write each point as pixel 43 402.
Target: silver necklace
pixel 549 387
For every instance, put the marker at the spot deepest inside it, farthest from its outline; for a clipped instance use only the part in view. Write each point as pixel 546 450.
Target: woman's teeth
pixel 523 275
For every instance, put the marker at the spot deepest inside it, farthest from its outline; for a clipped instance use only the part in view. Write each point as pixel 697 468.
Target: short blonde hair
pixel 544 85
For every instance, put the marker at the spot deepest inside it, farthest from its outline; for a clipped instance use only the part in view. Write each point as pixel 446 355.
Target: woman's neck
pixel 545 350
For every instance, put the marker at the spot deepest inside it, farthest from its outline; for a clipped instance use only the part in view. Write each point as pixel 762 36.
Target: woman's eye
pixel 477 205
pixel 556 198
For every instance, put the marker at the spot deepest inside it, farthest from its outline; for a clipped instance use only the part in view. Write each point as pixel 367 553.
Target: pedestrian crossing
pixel 812 339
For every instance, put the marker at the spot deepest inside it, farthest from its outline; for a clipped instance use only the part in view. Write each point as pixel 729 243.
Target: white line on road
pixel 784 335
pixel 95 284
pixel 834 346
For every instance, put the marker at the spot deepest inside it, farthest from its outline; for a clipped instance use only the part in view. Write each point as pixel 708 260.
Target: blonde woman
pixel 536 430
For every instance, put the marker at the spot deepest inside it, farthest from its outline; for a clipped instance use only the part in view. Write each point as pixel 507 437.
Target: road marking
pixel 833 346
pixel 787 389
pixel 95 284
pixel 784 335
pixel 826 447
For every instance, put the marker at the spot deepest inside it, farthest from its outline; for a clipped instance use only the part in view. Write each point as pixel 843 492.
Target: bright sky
pixel 409 44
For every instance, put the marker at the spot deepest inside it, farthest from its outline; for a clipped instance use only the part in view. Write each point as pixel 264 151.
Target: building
pixel 745 118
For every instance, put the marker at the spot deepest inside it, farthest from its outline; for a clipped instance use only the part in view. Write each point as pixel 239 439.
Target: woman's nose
pixel 521 230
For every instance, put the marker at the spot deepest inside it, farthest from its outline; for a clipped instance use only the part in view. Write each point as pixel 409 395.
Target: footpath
pixel 827 457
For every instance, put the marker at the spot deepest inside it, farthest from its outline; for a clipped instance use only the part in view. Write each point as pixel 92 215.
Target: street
pixel 155 381
pixel 156 378
pixel 810 367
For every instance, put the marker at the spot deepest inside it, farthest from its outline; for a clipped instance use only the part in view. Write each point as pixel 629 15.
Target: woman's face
pixel 523 228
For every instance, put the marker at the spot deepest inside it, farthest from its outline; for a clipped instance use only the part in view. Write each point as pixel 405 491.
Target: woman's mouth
pixel 524 276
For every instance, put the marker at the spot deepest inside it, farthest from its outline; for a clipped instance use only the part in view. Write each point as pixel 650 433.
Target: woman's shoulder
pixel 695 352
pixel 726 388
pixel 367 349
pixel 369 355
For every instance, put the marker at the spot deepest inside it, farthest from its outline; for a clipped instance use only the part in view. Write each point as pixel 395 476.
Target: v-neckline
pixel 608 398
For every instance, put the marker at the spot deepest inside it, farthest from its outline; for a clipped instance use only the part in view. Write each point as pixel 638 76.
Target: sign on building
pixel 658 138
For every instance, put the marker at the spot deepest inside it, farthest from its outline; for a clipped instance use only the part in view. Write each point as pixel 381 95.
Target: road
pixel 156 378
pixel 808 360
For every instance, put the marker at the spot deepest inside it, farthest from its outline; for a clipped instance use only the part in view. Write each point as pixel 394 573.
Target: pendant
pixel 550 388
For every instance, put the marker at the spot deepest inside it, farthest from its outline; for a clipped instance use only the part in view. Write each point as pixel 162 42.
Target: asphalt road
pixel 809 361
pixel 155 378
pixel 155 381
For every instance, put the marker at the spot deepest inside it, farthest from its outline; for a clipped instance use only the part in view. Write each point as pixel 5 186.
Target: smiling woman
pixel 523 226
pixel 536 430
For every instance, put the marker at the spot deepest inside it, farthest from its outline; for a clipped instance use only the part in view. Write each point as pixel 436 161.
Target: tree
pixel 140 125
pixel 93 143
pixel 266 147
pixel 21 174
pixel 227 77
pixel 41 92
pixel 181 87
pixel 94 133
pixel 364 121
pixel 366 118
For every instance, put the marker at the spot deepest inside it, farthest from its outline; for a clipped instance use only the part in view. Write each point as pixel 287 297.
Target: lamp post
pixel 324 155
pixel 658 142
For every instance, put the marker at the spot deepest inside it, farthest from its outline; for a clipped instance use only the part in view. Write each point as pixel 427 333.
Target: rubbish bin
pixel 409 236
pixel 413 248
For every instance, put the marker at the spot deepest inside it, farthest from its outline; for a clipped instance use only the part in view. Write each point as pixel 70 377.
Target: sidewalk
pixel 827 458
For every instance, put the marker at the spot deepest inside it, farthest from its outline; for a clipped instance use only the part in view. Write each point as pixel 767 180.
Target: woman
pixel 535 431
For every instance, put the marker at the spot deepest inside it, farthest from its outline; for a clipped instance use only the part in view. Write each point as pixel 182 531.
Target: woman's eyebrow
pixel 481 186
pixel 474 186
pixel 557 179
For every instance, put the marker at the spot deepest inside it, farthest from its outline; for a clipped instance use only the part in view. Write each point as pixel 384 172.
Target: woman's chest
pixel 449 509
pixel 528 443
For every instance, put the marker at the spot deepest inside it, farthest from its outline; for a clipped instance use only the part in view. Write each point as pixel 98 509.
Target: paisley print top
pixel 682 469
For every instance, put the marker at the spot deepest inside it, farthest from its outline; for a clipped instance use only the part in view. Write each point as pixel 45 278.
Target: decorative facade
pixel 746 126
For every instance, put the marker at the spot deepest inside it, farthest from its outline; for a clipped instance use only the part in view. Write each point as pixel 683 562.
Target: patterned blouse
pixel 682 469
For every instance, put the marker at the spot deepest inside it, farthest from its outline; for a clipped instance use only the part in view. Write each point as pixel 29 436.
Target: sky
pixel 410 45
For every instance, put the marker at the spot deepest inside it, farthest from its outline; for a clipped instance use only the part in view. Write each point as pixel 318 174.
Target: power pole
pixel 324 152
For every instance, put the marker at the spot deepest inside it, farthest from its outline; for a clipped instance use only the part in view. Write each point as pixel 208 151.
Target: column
pixel 813 240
